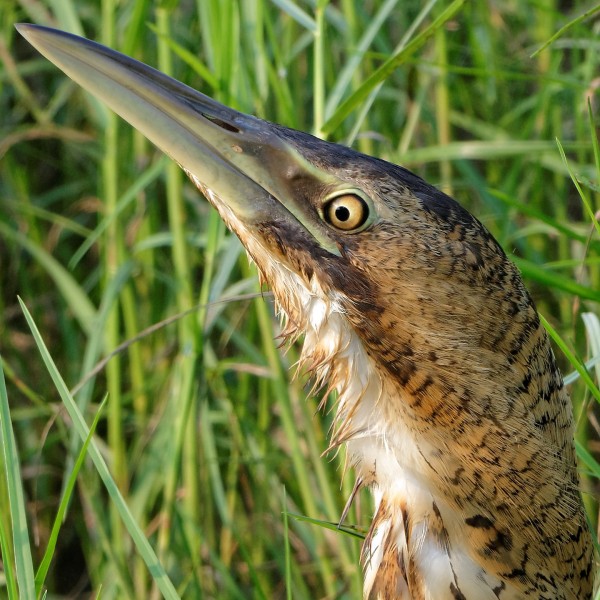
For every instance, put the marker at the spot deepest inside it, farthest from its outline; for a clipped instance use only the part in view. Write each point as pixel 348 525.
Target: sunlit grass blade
pixel 541 215
pixel 299 15
pixel 44 566
pixel 592 328
pixel 156 569
pixel 582 17
pixel 331 526
pixel 550 278
pixel 584 199
pixel 345 76
pixel 572 358
pixel 480 150
pixel 20 532
pixel 588 460
pixel 589 364
pixel 361 94
pixel 365 108
pixel 8 565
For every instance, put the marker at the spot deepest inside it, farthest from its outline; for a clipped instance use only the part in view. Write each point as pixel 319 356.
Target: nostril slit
pixel 221 123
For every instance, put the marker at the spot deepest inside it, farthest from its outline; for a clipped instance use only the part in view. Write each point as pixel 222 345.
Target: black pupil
pixel 342 213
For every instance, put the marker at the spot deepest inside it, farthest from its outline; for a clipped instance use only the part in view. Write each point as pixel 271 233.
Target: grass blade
pixel 42 571
pixel 147 553
pixel 532 271
pixel 579 366
pixel 20 532
pixel 387 68
pixel 586 203
pixel 8 560
pixel 296 13
pixel 569 25
pixel 328 525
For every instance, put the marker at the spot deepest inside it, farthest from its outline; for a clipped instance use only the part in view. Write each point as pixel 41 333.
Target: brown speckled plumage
pixel 449 399
pixel 466 370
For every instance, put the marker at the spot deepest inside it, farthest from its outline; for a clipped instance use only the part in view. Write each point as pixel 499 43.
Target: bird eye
pixel 347 212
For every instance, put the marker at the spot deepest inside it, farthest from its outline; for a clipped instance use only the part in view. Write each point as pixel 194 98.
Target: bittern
pixel 449 399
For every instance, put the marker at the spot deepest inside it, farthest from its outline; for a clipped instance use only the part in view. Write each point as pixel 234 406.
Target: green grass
pixel 205 476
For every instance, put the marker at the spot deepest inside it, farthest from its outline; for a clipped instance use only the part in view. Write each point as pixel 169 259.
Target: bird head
pixel 448 394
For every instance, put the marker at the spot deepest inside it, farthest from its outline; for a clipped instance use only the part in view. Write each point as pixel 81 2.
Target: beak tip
pixel 24 28
pixel 29 31
pixel 41 36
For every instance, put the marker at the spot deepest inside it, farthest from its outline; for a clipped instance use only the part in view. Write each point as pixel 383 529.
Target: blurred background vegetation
pixel 212 445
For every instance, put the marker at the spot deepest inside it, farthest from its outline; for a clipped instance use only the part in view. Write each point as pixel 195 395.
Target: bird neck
pixel 470 457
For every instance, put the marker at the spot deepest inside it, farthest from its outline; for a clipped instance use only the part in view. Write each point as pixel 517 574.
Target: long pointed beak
pixel 241 163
